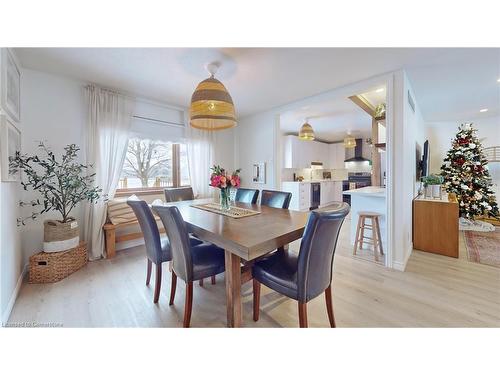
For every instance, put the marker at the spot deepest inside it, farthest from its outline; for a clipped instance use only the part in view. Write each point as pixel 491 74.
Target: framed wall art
pixel 11 85
pixel 10 143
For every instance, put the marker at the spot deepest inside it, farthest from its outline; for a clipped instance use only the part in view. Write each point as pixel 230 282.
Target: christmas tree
pixel 465 172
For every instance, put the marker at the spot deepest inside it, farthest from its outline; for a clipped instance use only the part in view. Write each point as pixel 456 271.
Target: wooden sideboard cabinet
pixel 435 225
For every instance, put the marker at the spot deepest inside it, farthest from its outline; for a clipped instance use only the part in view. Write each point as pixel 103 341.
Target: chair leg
pixel 329 305
pixel 375 239
pixel 303 314
pixel 362 233
pixel 173 287
pixel 188 306
pixel 213 280
pixel 256 299
pixel 157 283
pixel 356 241
pixel 148 274
pixel 201 282
pixel 379 236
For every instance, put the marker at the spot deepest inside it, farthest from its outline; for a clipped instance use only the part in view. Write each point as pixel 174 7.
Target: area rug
pixel 483 247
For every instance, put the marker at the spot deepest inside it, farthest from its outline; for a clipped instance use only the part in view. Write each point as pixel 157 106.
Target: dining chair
pixel 305 275
pixel 157 247
pixel 190 263
pixel 247 195
pixel 179 194
pixel 182 194
pixel 276 199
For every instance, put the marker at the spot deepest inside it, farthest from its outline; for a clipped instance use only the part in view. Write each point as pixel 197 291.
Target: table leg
pixel 233 289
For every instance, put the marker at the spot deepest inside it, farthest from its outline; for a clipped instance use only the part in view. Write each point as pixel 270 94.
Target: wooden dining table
pixel 243 240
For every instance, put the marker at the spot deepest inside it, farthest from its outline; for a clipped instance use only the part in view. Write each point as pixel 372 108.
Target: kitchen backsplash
pixel 313 174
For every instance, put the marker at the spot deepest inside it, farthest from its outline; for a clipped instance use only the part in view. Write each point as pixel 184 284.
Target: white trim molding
pixel 13 297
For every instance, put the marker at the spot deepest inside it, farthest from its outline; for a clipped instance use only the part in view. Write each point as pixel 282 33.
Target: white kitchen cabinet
pixel 337 191
pixel 299 154
pixel 336 155
pixel 301 194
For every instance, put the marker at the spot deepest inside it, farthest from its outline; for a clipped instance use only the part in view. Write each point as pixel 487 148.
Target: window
pixel 154 164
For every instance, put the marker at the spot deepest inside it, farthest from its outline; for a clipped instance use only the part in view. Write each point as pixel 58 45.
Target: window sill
pixel 143 191
pixel 129 192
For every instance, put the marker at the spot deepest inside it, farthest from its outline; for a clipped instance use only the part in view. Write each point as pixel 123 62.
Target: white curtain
pixel 108 125
pixel 200 158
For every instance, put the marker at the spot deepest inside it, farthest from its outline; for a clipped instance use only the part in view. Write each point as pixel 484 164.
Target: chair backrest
pixel 247 195
pixel 149 227
pixel 179 240
pixel 276 199
pixel 179 194
pixel 317 250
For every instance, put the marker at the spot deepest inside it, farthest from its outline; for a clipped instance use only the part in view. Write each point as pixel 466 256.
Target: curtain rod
pixel 169 123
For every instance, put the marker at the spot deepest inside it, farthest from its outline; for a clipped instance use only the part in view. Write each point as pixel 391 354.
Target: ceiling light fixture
pixel 349 141
pixel 379 90
pixel 498 80
pixel 483 110
pixel 212 107
pixel 306 132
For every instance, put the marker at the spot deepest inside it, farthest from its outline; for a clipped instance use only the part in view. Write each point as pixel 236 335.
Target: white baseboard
pixel 400 266
pixel 13 297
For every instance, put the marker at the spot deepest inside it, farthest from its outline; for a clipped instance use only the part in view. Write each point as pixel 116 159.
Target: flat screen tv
pixel 425 159
pixel 422 160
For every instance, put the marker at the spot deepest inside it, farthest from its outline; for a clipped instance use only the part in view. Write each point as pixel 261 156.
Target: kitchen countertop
pixel 371 191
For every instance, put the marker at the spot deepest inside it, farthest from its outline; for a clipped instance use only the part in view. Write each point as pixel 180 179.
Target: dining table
pixel 243 239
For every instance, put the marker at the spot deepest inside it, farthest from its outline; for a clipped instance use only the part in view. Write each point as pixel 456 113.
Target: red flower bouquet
pixel 224 181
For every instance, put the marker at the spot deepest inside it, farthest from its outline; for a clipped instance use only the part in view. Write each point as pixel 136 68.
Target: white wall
pixel 256 141
pixel 53 112
pixel 11 264
pixel 440 135
pixel 407 131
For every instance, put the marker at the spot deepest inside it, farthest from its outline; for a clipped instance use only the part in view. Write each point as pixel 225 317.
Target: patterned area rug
pixel 483 247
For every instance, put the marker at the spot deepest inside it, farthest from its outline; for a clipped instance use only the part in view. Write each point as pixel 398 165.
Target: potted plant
pixel 62 184
pixel 432 184
pixel 220 179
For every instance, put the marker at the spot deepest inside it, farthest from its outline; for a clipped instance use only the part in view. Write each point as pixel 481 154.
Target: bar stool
pixel 374 227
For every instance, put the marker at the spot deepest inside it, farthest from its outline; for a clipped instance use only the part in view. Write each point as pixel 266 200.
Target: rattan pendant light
pixel 212 107
pixel 349 141
pixel 306 132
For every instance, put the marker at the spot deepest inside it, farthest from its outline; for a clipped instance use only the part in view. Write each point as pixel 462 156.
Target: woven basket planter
pixel 59 236
pixel 51 267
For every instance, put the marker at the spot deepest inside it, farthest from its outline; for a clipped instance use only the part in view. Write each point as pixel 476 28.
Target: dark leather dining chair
pixel 182 194
pixel 247 195
pixel 190 263
pixel 157 247
pixel 276 199
pixel 179 194
pixel 308 274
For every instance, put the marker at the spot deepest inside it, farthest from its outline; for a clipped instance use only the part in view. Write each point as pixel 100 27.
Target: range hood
pixel 358 152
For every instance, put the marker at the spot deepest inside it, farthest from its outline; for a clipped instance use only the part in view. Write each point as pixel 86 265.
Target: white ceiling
pixel 449 83
pixel 332 120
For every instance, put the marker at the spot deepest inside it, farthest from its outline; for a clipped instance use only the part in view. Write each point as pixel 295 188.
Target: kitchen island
pixel 369 198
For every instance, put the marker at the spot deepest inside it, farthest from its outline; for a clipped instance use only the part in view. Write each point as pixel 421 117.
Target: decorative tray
pixel 234 212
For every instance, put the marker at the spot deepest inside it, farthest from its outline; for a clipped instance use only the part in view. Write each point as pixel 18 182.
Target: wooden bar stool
pixel 375 239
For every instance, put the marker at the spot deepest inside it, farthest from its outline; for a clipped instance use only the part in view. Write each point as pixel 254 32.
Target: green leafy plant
pixel 61 183
pixel 432 179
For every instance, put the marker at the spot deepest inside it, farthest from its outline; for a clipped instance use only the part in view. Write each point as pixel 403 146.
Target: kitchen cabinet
pixel 331 191
pixel 301 194
pixel 299 154
pixel 336 155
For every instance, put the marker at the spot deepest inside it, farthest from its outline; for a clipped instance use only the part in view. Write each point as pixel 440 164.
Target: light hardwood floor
pixel 434 291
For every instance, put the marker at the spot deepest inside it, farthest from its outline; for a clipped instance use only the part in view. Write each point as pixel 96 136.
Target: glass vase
pixel 224 199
